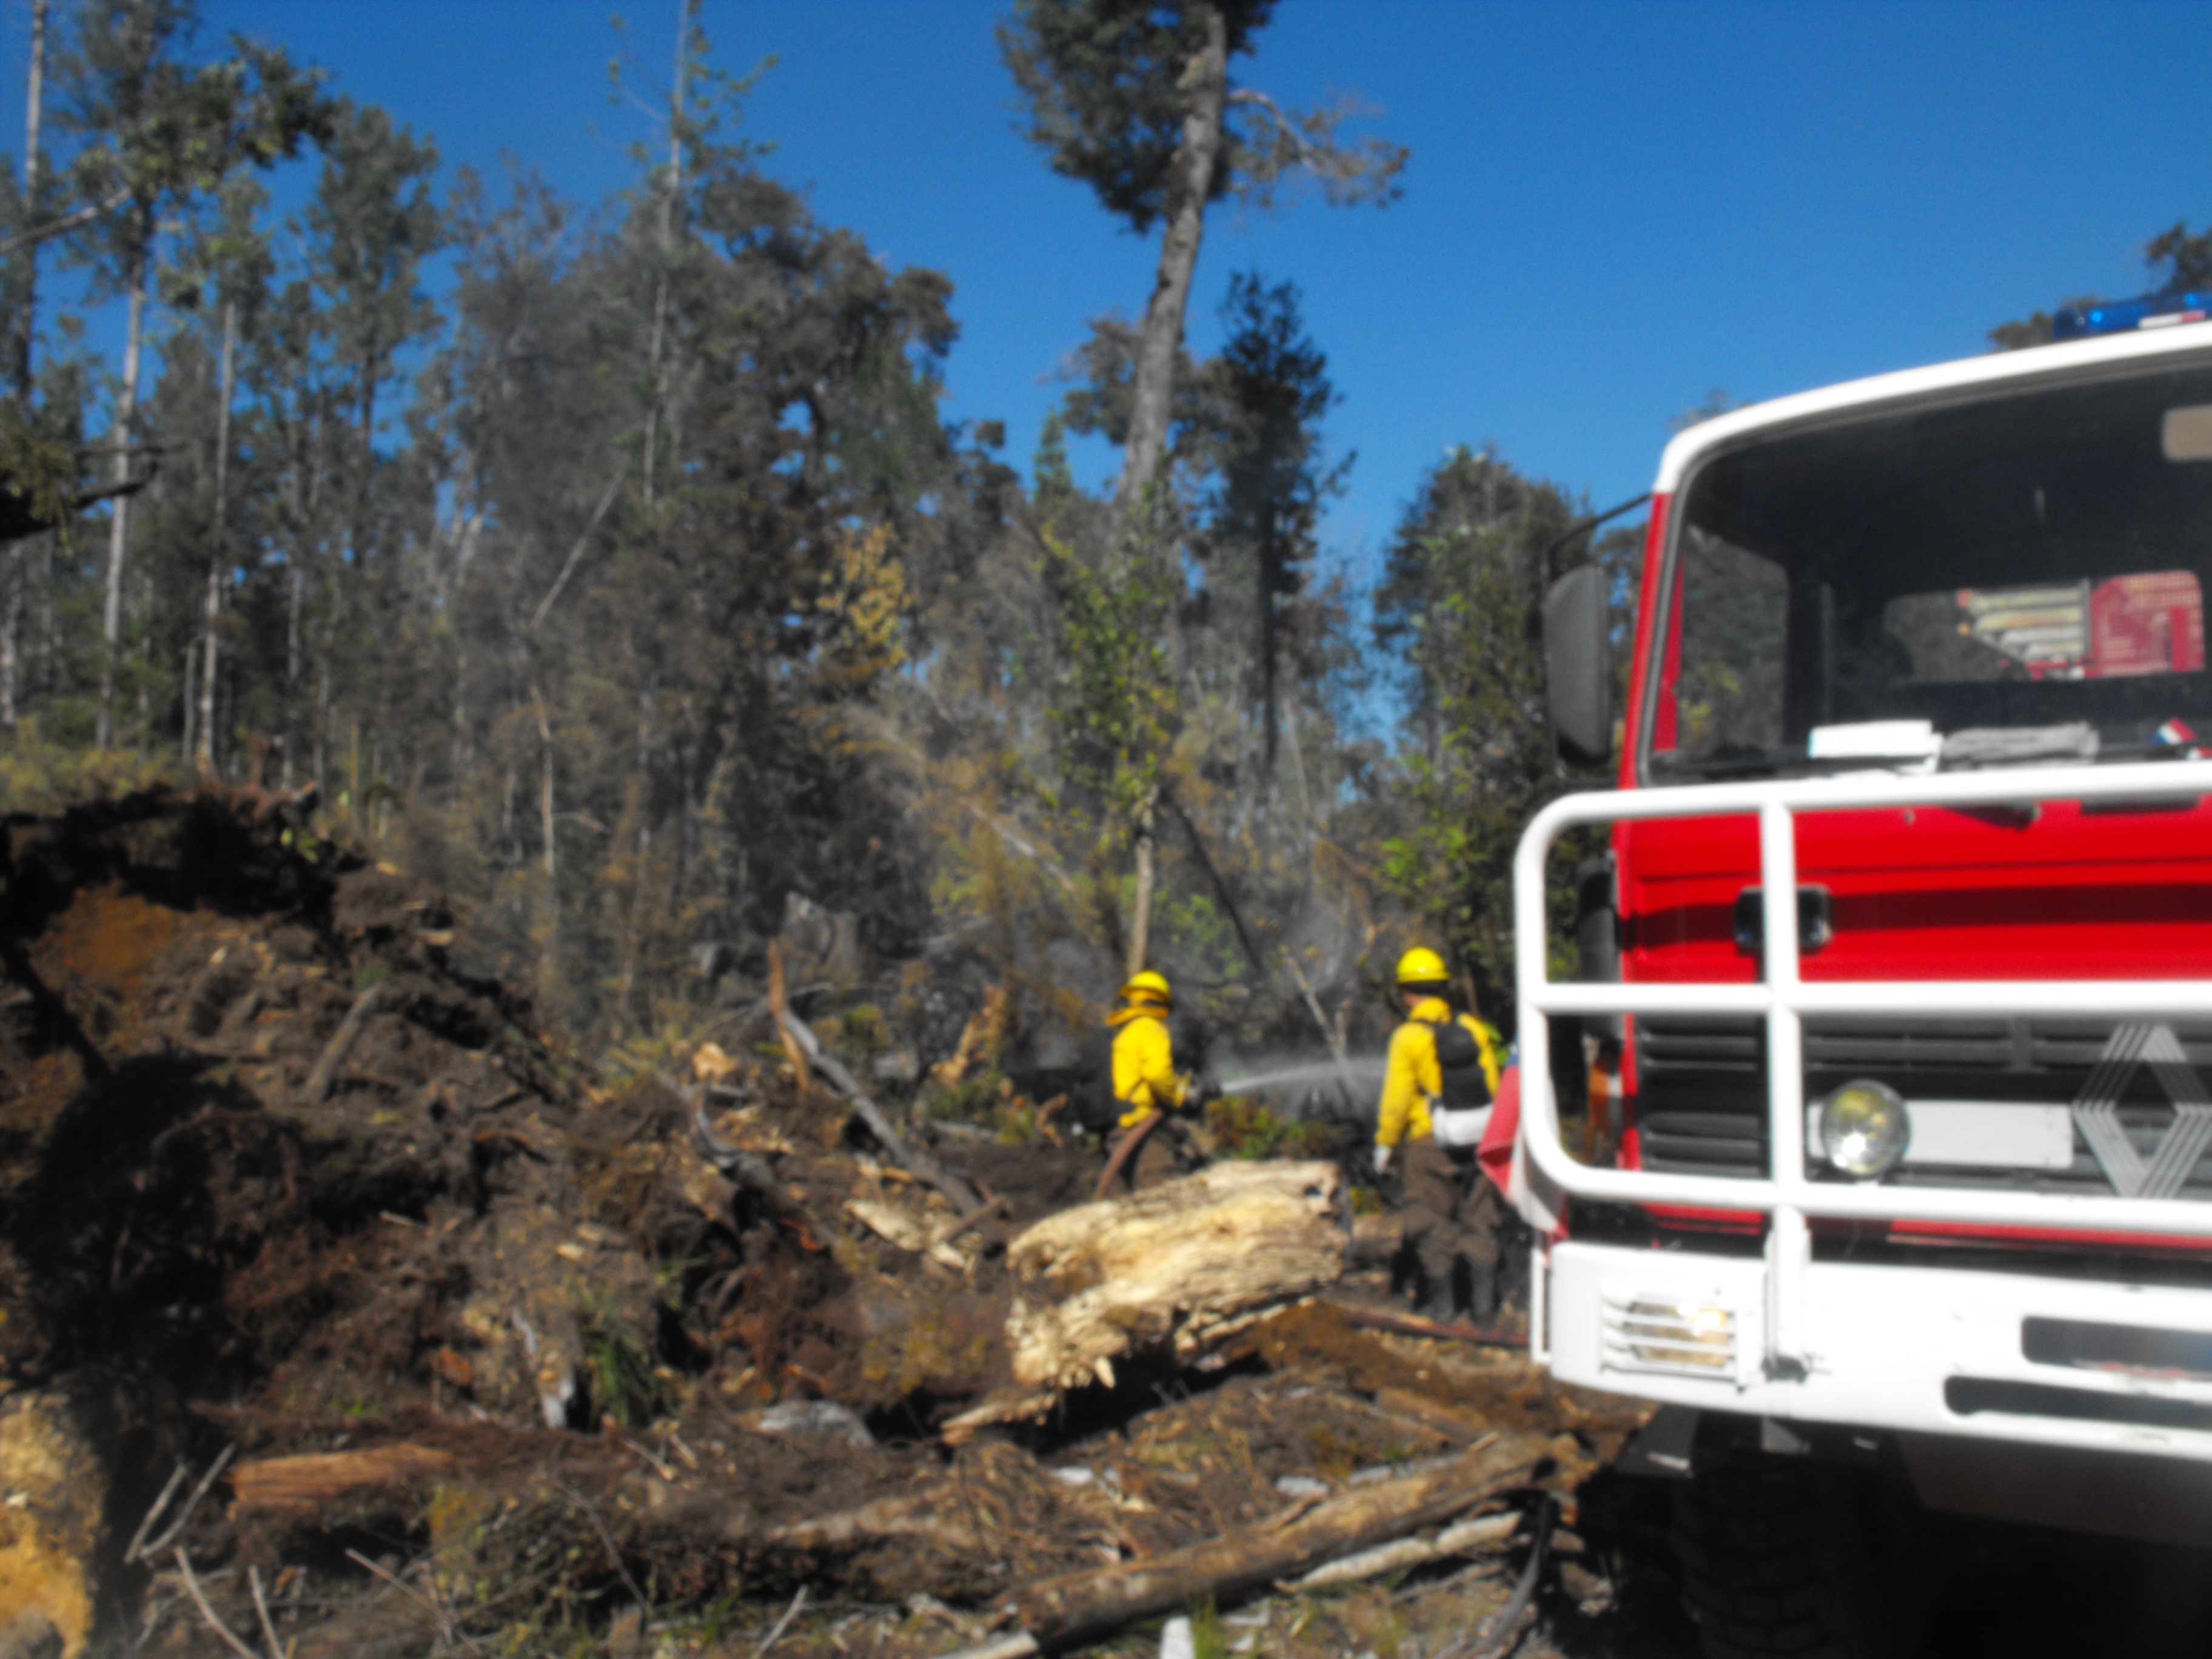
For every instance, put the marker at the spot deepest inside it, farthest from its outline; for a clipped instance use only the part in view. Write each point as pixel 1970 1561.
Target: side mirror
pixel 1577 666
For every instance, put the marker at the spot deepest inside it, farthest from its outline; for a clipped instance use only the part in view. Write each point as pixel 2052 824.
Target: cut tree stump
pixel 1167 1273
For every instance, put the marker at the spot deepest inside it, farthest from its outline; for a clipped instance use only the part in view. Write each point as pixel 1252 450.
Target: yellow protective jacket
pixel 1145 1077
pixel 1413 1078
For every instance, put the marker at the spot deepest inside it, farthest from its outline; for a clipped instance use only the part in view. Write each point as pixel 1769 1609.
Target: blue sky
pixel 1611 209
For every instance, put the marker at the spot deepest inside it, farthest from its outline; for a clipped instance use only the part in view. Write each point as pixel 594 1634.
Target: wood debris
pixel 1171 1271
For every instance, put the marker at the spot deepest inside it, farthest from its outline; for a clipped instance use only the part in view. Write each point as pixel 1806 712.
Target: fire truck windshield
pixel 1970 580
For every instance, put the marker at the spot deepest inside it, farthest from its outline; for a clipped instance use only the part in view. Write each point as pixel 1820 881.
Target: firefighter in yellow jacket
pixel 1145 1080
pixel 1437 1092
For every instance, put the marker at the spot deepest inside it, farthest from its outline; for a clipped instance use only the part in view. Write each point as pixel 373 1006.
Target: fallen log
pixel 1166 1272
pixel 923 1515
pixel 305 1484
pixel 912 1232
pixel 780 1005
pixel 920 1165
pixel 1087 1605
pixel 1456 1539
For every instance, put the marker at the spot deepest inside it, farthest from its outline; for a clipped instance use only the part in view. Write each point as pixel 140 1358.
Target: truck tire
pixel 1786 1556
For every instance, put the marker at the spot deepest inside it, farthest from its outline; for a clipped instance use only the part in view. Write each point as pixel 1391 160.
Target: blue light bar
pixel 2120 316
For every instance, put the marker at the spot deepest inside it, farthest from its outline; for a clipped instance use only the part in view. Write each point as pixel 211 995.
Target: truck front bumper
pixel 2004 1357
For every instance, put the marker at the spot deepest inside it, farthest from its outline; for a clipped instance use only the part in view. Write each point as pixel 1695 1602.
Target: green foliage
pixel 971 1100
pixel 1104 82
pixel 1460 607
pixel 159 130
pixel 639 583
pixel 39 467
pixel 1117 707
pixel 39 775
pixel 624 1383
pixel 1209 1637
pixel 1243 1127
pixel 1107 84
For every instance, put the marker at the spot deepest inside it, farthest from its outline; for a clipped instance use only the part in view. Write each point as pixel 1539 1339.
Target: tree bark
pixel 298 599
pixel 34 103
pixel 683 16
pixel 634 950
pixel 186 749
pixel 1147 848
pixel 11 573
pixel 1191 185
pixel 213 607
pixel 545 793
pixel 1290 713
pixel 1268 571
pixel 126 409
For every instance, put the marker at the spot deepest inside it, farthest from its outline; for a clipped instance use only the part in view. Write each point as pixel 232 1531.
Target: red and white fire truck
pixel 1903 928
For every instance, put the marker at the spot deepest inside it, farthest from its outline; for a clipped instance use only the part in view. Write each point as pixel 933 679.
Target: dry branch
pixel 1411 1552
pixel 920 1515
pixel 261 1609
pixel 913 1159
pixel 327 1068
pixel 169 1533
pixel 783 1624
pixel 138 1538
pixel 779 1004
pixel 1085 1606
pixel 207 1613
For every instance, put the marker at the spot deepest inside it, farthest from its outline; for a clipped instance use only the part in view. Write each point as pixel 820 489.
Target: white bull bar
pixel 1787 1195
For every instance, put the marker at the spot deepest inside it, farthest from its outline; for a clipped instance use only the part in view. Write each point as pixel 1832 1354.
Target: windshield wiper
pixel 1974 749
pixel 2019 745
pixel 1782 761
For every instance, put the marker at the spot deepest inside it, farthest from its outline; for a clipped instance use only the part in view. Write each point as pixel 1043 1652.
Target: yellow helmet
pixel 1421 966
pixel 1148 986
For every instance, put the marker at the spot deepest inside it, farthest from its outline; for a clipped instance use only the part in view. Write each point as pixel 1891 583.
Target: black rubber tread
pixel 1767 1571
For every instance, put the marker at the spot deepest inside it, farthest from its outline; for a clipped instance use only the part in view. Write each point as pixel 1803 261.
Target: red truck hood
pixel 1938 893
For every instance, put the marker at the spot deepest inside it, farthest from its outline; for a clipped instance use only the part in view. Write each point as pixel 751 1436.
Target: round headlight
pixel 1864 1129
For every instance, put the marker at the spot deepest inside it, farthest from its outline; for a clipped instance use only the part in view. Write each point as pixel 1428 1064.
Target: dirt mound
pixel 262 1138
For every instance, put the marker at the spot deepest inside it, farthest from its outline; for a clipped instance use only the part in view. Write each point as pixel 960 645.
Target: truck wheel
pixel 1787 1556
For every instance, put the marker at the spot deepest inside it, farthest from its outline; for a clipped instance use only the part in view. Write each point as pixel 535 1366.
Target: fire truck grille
pixel 1701 1090
pixel 1654 1332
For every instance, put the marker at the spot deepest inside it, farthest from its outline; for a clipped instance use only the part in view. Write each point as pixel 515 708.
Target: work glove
pixel 1381 1160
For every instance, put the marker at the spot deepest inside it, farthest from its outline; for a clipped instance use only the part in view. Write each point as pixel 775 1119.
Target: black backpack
pixel 1459 1060
pixel 1090 1100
